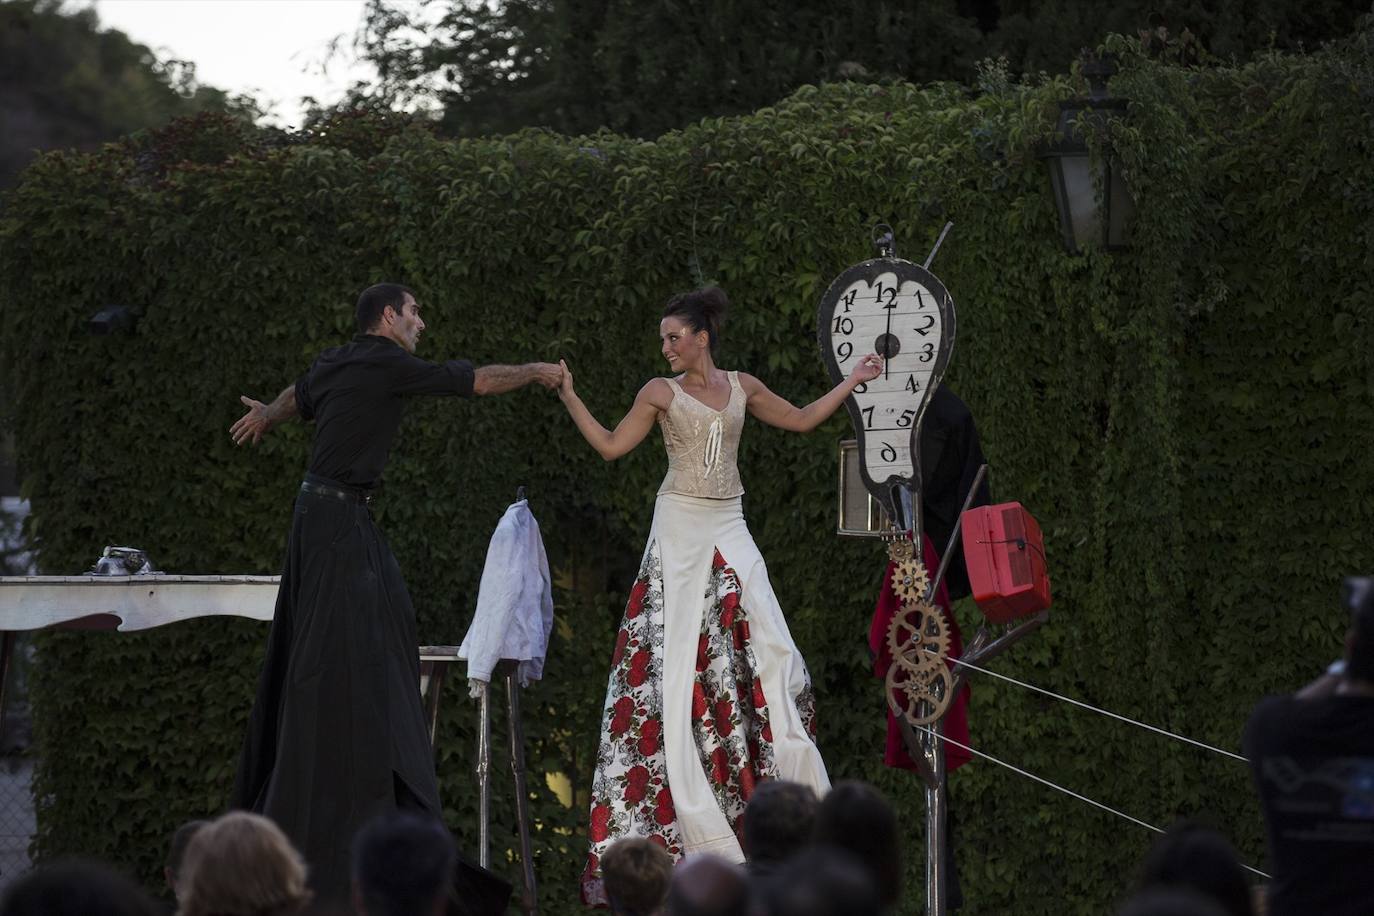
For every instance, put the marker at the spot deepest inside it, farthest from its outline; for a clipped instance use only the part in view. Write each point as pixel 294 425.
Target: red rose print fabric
pixel 630 794
pixel 630 791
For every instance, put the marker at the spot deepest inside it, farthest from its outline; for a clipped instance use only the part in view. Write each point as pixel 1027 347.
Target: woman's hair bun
pixel 700 309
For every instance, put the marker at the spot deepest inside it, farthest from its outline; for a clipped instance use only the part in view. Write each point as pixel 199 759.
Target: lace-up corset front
pixel 702 444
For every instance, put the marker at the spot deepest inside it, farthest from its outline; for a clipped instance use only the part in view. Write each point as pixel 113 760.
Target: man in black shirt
pixel 1312 757
pixel 337 735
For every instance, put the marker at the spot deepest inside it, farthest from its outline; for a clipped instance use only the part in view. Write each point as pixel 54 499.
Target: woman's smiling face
pixel 681 345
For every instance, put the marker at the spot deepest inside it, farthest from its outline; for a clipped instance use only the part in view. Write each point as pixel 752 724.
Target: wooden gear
pixel 920 686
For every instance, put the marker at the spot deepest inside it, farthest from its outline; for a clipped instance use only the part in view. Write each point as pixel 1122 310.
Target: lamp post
pixel 1094 204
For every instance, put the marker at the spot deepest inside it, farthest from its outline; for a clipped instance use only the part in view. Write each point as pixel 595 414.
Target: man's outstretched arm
pixel 500 379
pixel 262 417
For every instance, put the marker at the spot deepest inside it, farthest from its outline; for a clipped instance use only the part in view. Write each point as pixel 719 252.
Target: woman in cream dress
pixel 708 694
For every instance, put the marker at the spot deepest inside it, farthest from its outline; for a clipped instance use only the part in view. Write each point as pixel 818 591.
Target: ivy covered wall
pixel 1189 420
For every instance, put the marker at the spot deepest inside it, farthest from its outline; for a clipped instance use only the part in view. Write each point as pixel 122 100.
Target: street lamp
pixel 1094 204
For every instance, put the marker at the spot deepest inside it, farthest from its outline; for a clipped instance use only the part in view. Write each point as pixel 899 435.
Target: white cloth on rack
pixel 514 602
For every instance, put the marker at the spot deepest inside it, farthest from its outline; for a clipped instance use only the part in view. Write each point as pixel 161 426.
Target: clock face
pixel 903 313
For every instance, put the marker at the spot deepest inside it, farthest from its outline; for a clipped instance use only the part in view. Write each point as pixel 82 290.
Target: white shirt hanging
pixel 514 602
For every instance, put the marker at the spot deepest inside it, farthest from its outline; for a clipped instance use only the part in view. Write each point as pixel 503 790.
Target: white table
pixel 128 603
pixel 123 603
pixel 131 602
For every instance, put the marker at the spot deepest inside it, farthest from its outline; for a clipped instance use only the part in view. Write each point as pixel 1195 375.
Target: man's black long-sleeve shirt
pixel 356 394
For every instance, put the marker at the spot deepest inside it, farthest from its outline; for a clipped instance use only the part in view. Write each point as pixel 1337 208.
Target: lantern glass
pixel 1094 203
pixel 1078 199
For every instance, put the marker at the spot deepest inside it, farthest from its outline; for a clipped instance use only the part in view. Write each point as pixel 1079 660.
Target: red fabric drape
pixel 956 720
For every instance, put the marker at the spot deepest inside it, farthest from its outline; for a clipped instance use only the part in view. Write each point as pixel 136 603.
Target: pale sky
pixel 274 50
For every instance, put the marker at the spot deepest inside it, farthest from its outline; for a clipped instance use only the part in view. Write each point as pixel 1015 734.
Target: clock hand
pixel 887 344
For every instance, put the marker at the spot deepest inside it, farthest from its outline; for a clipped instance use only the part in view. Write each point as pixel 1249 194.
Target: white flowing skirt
pixel 707 694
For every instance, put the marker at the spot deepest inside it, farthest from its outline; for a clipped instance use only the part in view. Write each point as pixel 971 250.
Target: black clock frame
pixel 886 491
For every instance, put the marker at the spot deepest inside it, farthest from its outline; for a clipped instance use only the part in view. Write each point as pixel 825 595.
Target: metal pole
pixel 936 878
pixel 436 685
pixel 948 552
pixel 529 903
pixel 938 242
pixel 980 650
pixel 483 776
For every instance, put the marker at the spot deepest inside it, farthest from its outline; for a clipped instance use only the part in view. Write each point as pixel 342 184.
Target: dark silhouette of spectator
pixel 241 864
pixel 777 824
pixel 403 865
pixel 176 852
pixel 855 817
pixel 76 888
pixel 636 873
pixel 1194 858
pixel 821 881
pixel 1171 902
pixel 1312 759
pixel 707 885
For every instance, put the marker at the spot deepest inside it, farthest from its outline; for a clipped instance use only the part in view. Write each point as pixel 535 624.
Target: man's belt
pixel 349 496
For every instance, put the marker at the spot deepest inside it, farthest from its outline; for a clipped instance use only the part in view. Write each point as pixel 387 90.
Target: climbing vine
pixel 1190 421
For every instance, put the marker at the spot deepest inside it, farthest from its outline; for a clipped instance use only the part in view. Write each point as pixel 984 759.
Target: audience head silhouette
pixel 1171 902
pixel 822 881
pixel 241 864
pixel 856 817
pixel 75 888
pixel 637 873
pixel 1195 858
pixel 403 866
pixel 778 822
pixel 706 885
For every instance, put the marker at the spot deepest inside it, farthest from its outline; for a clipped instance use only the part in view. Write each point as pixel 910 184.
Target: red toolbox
pixel 1005 555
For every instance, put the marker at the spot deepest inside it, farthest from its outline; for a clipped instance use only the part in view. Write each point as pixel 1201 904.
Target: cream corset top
pixel 702 444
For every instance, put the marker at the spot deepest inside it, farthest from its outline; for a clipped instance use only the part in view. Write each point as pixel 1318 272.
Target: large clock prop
pixel 902 312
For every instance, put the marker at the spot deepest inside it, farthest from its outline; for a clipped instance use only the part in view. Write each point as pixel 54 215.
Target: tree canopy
pixel 644 68
pixel 65 82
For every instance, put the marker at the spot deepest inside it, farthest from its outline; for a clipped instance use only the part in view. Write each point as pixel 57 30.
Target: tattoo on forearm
pixel 498 379
pixel 284 407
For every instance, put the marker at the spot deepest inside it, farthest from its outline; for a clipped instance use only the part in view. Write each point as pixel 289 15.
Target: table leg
pixel 436 684
pixel 529 903
pixel 483 776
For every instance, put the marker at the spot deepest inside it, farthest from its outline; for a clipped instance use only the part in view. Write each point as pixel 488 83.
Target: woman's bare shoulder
pixel 748 382
pixel 658 392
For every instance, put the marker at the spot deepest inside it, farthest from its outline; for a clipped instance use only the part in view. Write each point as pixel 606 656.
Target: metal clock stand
pixel 920 697
pixel 902 312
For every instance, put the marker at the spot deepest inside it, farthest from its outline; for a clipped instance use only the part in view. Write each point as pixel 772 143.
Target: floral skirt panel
pixel 707 693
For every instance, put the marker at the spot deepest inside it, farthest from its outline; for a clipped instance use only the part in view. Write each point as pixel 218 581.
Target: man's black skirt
pixel 337 734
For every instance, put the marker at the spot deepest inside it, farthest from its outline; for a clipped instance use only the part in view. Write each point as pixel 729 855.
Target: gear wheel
pixel 900 550
pixel 920 697
pixel 918 637
pixel 910 580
